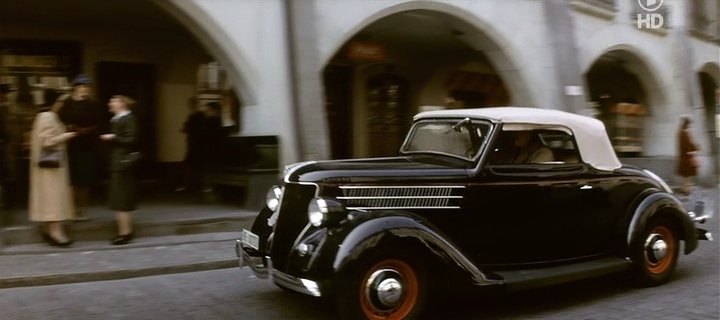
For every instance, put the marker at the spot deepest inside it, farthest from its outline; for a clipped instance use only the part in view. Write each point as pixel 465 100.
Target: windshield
pixel 458 138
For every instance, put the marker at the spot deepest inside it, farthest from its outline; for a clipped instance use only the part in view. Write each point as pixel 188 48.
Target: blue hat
pixel 81 79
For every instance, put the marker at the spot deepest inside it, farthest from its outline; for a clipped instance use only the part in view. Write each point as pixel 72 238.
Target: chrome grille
pixel 401 197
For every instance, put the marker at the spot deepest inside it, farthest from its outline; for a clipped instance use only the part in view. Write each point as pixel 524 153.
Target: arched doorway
pixel 134 47
pixel 624 91
pixel 710 91
pixel 393 66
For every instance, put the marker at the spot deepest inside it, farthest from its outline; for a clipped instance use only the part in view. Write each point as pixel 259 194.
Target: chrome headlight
pixel 322 211
pixel 659 180
pixel 272 199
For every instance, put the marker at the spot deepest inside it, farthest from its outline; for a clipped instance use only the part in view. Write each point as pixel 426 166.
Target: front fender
pixel 657 203
pixel 386 227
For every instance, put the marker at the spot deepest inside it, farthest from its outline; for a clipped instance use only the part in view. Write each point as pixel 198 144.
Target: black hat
pixel 50 96
pixel 81 79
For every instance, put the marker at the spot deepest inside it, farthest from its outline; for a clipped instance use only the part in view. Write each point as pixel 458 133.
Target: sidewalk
pixel 175 232
pixel 163 214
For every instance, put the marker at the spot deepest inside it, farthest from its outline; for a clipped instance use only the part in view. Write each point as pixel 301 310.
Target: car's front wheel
pixel 383 288
pixel 655 255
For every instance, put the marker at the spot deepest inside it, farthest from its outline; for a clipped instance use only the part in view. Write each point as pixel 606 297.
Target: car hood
pixel 372 169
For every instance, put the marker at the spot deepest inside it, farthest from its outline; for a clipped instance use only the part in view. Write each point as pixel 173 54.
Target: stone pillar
pixel 306 81
pixel 570 94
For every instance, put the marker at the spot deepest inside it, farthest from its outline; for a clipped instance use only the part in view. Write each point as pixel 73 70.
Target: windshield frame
pixel 451 121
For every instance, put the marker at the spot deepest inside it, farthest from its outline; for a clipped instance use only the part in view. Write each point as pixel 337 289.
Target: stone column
pixel 570 94
pixel 306 81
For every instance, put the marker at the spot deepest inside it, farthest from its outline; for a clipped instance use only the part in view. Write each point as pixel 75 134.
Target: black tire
pixel 655 253
pixel 355 298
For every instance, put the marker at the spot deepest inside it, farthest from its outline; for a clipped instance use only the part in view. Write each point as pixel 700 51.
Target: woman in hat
pixel 82 114
pixel 51 200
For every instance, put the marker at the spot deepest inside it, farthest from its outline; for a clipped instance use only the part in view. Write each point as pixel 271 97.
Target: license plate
pixel 250 239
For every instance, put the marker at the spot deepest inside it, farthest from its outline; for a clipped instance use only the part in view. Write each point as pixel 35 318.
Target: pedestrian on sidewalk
pixel 81 114
pixel 4 141
pixel 51 200
pixel 212 142
pixel 193 162
pixel 687 161
pixel 123 160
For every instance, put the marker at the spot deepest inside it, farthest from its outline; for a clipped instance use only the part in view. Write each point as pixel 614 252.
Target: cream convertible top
pixel 593 142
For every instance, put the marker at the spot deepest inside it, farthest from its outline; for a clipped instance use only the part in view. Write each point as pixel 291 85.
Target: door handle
pixel 586 187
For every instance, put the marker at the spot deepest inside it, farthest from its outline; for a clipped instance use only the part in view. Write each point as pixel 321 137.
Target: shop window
pixel 625 124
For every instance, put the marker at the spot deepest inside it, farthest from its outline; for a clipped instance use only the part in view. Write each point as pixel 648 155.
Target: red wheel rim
pixel 406 276
pixel 660 266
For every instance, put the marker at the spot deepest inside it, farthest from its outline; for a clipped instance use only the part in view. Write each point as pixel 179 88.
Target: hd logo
pixel 649 19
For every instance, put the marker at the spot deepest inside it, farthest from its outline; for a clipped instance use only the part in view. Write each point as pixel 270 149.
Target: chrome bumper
pixel 263 269
pixel 699 215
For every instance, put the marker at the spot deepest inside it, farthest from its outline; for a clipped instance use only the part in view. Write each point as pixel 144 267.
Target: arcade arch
pixel 406 59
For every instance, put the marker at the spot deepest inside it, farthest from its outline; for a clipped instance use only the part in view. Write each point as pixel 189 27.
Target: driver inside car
pixel 529 149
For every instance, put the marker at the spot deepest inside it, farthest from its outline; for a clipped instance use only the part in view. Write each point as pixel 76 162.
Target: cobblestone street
pixel 694 293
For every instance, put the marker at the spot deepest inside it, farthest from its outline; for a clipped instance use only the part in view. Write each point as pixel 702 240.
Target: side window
pixel 562 145
pixel 534 147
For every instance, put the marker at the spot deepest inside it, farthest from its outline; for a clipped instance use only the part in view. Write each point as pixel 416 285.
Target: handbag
pixel 50 158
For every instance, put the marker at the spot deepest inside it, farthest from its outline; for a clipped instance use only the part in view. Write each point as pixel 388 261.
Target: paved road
pixel 236 294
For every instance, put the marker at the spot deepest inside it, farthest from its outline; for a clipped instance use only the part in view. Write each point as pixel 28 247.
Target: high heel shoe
pixel 53 242
pixel 122 239
pixel 62 244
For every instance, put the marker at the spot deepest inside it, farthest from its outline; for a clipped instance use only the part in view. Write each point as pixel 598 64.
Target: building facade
pixel 342 78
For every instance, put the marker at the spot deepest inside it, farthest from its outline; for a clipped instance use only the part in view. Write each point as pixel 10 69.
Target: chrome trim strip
pixel 395 208
pixel 397 197
pixel 401 187
pixel 294 167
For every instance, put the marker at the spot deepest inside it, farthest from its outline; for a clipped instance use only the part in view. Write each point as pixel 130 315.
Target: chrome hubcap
pixel 656 247
pixel 384 289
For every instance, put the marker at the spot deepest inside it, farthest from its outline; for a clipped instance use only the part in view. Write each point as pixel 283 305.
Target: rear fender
pixel 661 203
pixel 392 227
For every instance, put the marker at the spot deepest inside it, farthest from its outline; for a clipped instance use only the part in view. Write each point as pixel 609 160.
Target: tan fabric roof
pixel 593 142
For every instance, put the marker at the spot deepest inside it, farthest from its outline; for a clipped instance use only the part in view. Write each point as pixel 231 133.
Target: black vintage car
pixel 498 198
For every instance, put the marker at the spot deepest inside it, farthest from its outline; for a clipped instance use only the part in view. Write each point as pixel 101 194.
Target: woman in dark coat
pixel 687 165
pixel 123 157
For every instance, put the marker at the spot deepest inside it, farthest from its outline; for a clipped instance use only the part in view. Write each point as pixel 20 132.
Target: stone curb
pixel 104 230
pixel 66 278
pixel 107 247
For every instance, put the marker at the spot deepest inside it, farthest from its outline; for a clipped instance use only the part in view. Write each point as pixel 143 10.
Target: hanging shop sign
pixel 365 51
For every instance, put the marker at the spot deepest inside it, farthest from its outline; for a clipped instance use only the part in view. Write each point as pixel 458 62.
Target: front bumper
pixel 699 216
pixel 262 268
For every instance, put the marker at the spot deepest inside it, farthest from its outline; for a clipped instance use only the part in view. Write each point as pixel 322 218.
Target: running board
pixel 541 277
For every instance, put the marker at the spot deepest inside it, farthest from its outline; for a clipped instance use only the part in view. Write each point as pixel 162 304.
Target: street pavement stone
pixel 693 293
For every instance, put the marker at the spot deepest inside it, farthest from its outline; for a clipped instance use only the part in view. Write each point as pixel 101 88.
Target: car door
pixel 529 212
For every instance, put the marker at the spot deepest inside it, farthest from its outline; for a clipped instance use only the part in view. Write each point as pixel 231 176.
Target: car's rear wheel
pixel 656 253
pixel 387 288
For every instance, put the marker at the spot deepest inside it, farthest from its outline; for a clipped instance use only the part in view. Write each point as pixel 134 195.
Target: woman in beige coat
pixel 50 194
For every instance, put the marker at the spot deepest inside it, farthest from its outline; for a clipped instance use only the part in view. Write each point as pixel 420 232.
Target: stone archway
pixel 172 38
pixel 403 58
pixel 216 40
pixel 627 95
